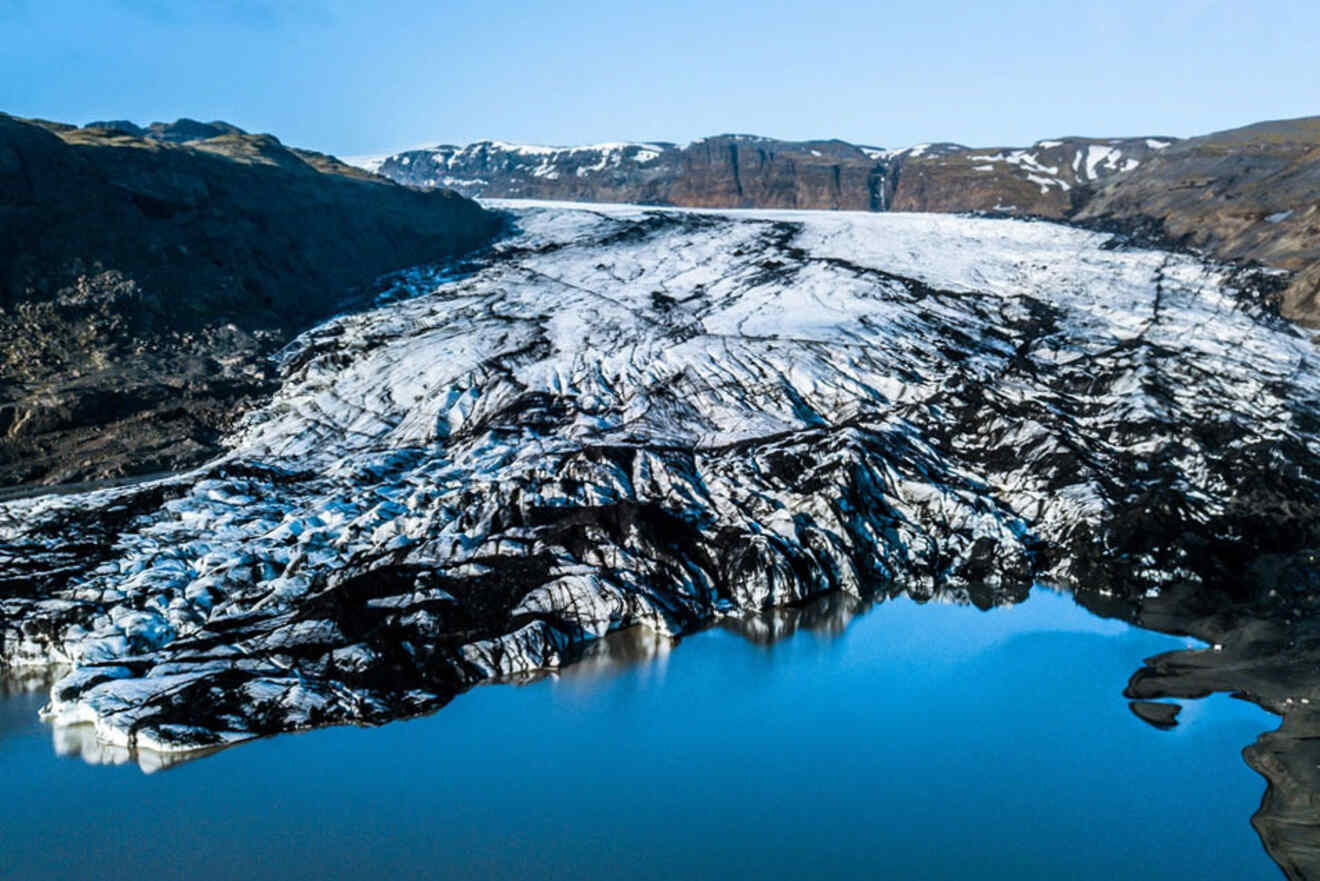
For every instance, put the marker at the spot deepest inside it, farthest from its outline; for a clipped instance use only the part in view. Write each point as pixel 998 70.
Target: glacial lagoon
pixel 889 740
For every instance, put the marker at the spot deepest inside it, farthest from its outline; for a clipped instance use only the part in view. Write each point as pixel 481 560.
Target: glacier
pixel 634 417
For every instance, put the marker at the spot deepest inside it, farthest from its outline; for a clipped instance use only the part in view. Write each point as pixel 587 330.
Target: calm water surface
pixel 918 742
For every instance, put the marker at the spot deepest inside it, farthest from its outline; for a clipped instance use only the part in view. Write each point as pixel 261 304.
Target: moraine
pixel 628 417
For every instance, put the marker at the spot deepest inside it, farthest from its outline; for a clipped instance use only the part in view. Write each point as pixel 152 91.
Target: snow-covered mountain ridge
pixel 630 417
pixel 747 171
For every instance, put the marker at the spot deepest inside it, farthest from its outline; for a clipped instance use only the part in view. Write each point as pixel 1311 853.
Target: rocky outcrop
pixel 1247 194
pixel 181 131
pixel 146 275
pixel 628 418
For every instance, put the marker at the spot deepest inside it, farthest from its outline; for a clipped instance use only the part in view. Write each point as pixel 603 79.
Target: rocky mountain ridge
pixel 748 171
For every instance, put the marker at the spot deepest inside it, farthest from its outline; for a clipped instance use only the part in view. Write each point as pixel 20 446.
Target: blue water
pixel 921 742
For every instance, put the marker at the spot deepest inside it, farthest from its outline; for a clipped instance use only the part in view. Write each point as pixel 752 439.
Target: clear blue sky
pixel 361 78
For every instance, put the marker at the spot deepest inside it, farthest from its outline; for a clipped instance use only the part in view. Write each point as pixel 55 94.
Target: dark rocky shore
pixel 1263 646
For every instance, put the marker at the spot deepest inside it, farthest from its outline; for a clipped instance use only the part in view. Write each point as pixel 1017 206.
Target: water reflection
pixel 827 616
pixel 1259 658
pixel 1246 657
pixel 81 742
pixel 944 732
pixel 634 649
pixel 27 680
pixel 643 650
pixel 24 691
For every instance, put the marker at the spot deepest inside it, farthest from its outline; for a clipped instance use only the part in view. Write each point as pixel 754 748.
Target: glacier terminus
pixel 626 417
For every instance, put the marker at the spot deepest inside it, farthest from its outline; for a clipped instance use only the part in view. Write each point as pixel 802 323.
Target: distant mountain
pixel 747 171
pixel 1247 194
pixel 146 273
pixel 179 132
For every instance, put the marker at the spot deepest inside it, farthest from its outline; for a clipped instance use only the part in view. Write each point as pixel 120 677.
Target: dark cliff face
pixel 740 171
pixel 144 280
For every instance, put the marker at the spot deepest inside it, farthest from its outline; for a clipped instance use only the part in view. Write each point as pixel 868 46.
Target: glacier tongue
pixel 641 417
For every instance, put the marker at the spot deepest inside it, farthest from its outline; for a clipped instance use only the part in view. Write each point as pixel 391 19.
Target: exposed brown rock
pixel 726 171
pixel 1301 300
pixel 734 171
pixel 1048 179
